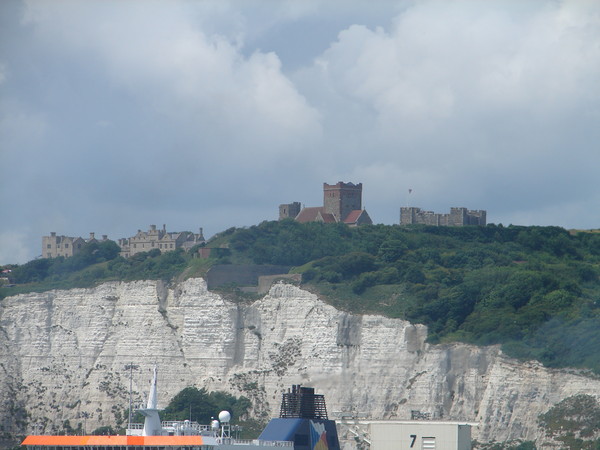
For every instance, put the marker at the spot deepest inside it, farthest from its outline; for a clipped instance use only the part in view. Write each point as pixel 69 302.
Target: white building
pixel 410 434
pixel 399 435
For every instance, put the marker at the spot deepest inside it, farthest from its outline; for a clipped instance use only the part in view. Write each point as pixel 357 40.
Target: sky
pixel 119 114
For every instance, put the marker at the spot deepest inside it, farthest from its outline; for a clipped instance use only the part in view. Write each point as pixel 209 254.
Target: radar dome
pixel 224 416
pixel 214 425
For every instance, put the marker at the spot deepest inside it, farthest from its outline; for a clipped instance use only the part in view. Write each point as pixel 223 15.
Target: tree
pixel 392 250
pixel 200 406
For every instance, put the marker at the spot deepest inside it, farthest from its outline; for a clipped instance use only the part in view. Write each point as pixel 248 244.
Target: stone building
pixel 342 202
pixel 342 198
pixel 456 217
pixel 288 210
pixel 54 246
pixel 144 241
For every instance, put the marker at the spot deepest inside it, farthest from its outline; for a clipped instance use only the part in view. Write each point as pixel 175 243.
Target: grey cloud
pixel 115 115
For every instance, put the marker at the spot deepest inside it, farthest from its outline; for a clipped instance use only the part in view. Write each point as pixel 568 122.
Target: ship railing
pixel 135 429
pixel 185 424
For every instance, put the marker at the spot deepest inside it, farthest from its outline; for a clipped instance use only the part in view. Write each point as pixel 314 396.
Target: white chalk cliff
pixel 63 356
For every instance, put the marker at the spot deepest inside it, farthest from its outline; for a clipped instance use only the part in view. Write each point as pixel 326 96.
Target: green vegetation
pixel 575 422
pixel 98 262
pixel 197 405
pixel 201 406
pixel 107 430
pixel 534 290
pixel 511 445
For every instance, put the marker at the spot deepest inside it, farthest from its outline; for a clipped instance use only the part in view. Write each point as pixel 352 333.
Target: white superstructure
pixel 216 434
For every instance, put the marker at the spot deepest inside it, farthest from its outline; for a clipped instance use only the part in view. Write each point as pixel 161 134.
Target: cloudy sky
pixel 115 115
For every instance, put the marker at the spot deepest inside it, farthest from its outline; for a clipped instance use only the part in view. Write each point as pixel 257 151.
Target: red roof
pixel 358 216
pixel 328 218
pixel 110 441
pixel 353 216
pixel 309 214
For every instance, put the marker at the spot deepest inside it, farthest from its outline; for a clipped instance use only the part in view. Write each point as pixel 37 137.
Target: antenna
pixel 130 366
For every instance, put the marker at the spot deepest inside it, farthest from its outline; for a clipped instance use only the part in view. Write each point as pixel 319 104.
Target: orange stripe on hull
pixel 110 441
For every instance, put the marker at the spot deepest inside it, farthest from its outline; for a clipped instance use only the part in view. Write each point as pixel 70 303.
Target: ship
pixel 302 425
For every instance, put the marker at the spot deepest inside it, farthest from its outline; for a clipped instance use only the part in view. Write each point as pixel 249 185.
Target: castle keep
pixel 342 198
pixel 457 217
pixel 342 202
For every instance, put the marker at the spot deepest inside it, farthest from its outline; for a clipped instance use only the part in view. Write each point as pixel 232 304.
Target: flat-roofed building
pixel 421 435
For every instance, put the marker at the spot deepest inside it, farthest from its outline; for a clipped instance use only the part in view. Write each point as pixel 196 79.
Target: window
pixel 66 245
pixel 49 246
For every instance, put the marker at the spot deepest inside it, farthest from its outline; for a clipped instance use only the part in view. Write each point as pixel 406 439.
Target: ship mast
pixel 151 418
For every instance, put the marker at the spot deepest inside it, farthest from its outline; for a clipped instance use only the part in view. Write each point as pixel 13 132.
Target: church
pixel 342 202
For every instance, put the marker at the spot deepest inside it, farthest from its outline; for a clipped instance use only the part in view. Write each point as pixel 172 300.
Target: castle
pixel 144 241
pixel 342 202
pixel 457 217
pixel 54 246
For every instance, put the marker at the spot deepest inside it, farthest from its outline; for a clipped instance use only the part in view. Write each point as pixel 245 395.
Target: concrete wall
pixel 241 275
pixel 266 281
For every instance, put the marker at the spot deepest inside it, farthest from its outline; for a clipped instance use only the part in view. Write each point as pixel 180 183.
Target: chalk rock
pixel 66 355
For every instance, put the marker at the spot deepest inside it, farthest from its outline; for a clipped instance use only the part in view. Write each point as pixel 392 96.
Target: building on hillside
pixel 289 210
pixel 456 217
pixel 54 246
pixel 144 241
pixel 342 202
pixel 341 199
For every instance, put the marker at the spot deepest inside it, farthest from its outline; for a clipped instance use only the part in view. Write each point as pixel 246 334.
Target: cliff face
pixel 64 356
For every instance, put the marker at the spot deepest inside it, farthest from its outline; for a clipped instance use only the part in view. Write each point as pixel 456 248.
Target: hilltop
pixel 533 290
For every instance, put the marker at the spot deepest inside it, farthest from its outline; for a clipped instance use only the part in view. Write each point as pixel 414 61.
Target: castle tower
pixel 342 198
pixel 289 210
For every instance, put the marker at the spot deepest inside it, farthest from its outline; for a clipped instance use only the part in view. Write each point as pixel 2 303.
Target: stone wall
pixel 456 217
pixel 289 210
